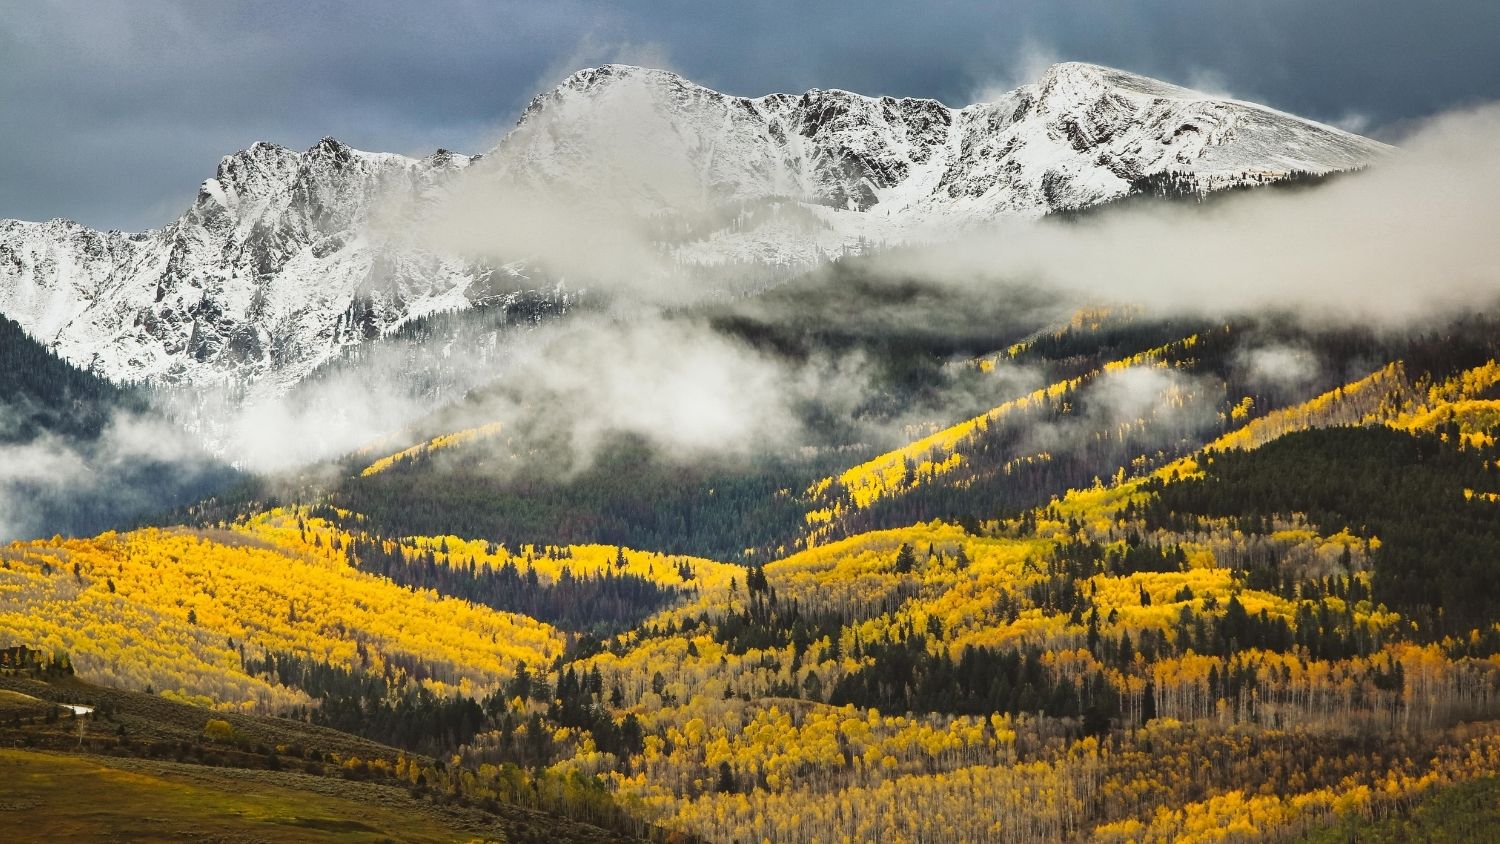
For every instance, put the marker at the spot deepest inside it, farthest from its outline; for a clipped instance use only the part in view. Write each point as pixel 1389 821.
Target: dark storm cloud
pixel 113 112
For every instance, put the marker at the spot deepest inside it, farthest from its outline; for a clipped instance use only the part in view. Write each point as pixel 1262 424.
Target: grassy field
pixel 142 769
pixel 16 704
pixel 148 718
pixel 54 797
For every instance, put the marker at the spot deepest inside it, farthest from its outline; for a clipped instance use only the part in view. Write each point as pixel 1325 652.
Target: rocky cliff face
pixel 280 260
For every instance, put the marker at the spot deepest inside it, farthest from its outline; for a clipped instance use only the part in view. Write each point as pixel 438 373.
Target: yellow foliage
pixel 939 453
pixel 580 560
pixel 1364 401
pixel 170 608
pixel 435 444
pixel 217 729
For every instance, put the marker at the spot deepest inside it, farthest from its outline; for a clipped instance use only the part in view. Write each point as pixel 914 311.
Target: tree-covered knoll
pixel 1438 555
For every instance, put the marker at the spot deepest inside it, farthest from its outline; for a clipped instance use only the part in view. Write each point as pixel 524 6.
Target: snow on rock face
pixel 1079 136
pixel 284 257
pixel 829 172
pixel 276 264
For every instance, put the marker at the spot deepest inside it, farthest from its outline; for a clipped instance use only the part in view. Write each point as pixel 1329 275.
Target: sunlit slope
pixel 1135 411
pixel 577 589
pixel 1058 673
pixel 173 609
pixel 82 798
pixel 1384 397
pixel 435 444
pixel 553 562
pixel 853 579
pixel 718 692
pixel 943 452
pixel 754 688
pixel 178 610
pixel 1127 417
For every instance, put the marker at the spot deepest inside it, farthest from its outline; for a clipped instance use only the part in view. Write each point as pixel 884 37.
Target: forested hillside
pixel 1164 595
pixel 81 454
pixel 44 394
pixel 1104 392
pixel 529 486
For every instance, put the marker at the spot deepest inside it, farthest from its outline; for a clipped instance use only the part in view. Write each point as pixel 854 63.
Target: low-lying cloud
pixel 138 465
pixel 1279 366
pixel 1402 243
pixel 1410 238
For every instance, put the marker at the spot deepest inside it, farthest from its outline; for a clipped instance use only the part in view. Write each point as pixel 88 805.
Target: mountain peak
pixel 606 75
pixel 618 69
pixel 1058 69
pixel 264 147
pixel 1081 134
pixel 1083 78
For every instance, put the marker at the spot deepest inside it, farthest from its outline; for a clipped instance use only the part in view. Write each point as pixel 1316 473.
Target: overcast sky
pixel 113 112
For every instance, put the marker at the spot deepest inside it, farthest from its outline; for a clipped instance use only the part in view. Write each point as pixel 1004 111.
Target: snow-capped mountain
pixel 285 257
pixel 858 169
pixel 278 261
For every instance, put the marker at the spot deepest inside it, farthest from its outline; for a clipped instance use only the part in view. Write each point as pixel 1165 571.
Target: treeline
pixel 498 310
pixel 597 603
pixel 907 329
pixel 42 393
pixel 627 495
pixel 1175 187
pixel 907 677
pixel 1168 184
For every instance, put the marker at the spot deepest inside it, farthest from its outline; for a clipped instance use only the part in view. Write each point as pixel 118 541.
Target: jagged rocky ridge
pixel 278 262
pixel 1081 135
pixel 286 257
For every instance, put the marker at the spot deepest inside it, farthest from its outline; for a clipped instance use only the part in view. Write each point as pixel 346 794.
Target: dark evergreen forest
pixel 67 473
